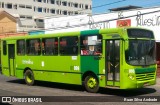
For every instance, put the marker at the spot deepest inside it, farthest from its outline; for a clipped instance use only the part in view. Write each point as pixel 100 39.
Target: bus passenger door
pixel 112 65
pixel 11 57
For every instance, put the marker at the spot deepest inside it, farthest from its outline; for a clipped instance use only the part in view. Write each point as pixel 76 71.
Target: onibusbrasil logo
pixel 20 99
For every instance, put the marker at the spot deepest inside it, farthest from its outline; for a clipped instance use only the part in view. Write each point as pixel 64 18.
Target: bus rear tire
pixel 91 84
pixel 29 77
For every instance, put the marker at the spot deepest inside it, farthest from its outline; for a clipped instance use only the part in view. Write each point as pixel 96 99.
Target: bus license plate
pixel 146 84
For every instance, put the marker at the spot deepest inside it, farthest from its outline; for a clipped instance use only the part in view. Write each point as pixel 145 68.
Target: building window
pixel 34 8
pixel 9 6
pixel 33 47
pixel 44 1
pixel 20 47
pixel 69 45
pixel 29 17
pixel 80 5
pixel 64 12
pixel 86 6
pixel 52 1
pixel 28 6
pixel 76 5
pixel 40 20
pixel 57 2
pixel 2 5
pixel 57 11
pixel 21 6
pixel 52 11
pixel 70 13
pixel 22 16
pixel 69 4
pixel 15 6
pixel 39 0
pixel 39 9
pixel 76 13
pixel 90 7
pixel 64 3
pixel 44 9
pixel 50 46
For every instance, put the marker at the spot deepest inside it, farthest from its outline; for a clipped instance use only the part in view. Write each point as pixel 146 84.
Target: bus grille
pixel 144 77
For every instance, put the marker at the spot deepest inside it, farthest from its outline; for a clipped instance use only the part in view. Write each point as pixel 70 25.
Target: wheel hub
pixel 91 83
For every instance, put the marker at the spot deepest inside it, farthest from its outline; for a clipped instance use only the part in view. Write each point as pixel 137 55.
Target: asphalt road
pixel 64 94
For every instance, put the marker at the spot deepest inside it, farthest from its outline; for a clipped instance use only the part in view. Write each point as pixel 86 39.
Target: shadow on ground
pixel 107 91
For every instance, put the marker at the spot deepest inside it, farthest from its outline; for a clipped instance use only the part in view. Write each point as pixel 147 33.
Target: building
pixel 8 23
pixel 30 13
pixel 66 23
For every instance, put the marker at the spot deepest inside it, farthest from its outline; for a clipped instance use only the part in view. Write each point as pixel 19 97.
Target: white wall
pixel 66 24
pixel 145 17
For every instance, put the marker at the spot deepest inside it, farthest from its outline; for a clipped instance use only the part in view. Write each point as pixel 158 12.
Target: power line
pixel 109 4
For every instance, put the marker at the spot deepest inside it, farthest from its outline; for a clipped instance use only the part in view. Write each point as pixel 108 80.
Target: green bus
pixel 121 58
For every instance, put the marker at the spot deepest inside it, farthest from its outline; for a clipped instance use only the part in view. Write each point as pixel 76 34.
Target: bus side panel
pixel 102 79
pixel 19 73
pixel 70 78
pixel 51 68
pixel 89 63
pixel 5 66
pixel 4 61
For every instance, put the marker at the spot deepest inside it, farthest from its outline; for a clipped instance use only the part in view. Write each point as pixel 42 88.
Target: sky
pixel 102 6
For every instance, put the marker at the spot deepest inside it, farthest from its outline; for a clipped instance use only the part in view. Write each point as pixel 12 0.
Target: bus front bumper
pixel 138 84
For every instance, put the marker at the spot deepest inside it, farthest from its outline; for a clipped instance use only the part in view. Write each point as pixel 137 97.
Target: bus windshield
pixel 141 52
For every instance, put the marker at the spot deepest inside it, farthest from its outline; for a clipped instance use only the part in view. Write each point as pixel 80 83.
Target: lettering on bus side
pixel 27 62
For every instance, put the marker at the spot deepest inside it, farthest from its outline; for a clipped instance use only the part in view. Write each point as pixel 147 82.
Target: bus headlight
pixel 131 76
pixel 131 71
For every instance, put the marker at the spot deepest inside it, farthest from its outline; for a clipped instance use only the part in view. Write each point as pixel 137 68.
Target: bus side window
pixel 69 45
pixel 50 46
pixel 91 45
pixel 20 47
pixel 37 48
pixel 43 47
pixel 33 47
pixel 4 48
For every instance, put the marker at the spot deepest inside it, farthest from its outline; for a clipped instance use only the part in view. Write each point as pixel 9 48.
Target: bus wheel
pixel 29 77
pixel 91 84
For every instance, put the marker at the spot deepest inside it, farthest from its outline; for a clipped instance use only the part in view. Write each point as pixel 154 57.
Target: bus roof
pixel 77 33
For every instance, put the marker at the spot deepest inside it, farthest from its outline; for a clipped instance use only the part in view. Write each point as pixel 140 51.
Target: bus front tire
pixel 29 77
pixel 91 84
